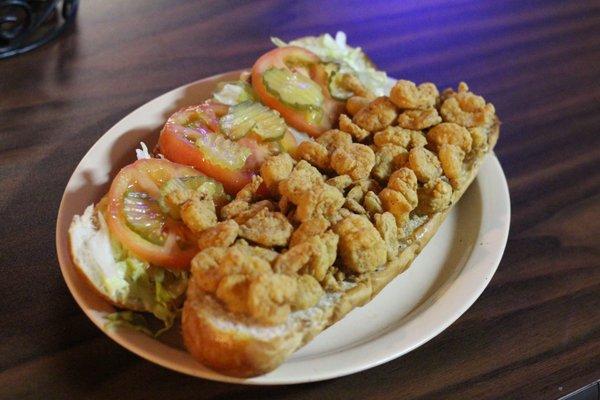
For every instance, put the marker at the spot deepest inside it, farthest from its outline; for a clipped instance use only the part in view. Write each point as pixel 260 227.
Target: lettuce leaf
pixel 350 59
pixel 135 281
pixel 128 319
pixel 143 152
pixel 233 93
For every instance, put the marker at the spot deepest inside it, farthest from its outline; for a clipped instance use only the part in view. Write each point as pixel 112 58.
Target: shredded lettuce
pixel 130 280
pixel 155 288
pixel 233 93
pixel 128 319
pixel 351 59
pixel 143 152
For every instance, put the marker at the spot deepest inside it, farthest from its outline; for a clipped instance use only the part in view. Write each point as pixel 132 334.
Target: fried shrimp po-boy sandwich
pixel 292 196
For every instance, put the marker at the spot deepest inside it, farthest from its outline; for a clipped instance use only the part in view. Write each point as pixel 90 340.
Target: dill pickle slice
pixel 177 191
pixel 144 216
pixel 269 124
pixel 214 190
pixel 336 90
pixel 219 150
pixel 238 122
pixel 334 77
pixel 293 89
pixel 313 115
pixel 253 117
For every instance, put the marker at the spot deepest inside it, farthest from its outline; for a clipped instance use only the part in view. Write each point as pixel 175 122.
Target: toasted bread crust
pixel 230 351
pixel 244 354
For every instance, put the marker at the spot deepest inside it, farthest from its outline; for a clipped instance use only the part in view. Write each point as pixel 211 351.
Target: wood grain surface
pixel 535 331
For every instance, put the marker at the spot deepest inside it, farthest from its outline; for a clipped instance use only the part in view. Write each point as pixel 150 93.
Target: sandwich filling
pixel 289 187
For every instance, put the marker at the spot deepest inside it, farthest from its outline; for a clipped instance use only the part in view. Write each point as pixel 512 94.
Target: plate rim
pixel 468 301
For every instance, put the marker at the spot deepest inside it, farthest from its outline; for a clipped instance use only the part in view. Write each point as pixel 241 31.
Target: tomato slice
pixel 297 60
pixel 219 157
pixel 136 220
pixel 191 137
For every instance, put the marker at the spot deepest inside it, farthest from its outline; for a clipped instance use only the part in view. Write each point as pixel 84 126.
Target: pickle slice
pixel 178 190
pixel 336 90
pixel 144 216
pixel 220 150
pixel 238 122
pixel 209 187
pixel 313 115
pixel 334 78
pixel 293 89
pixel 253 117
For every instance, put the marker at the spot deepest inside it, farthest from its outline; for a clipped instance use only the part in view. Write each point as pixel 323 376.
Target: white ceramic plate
pixel 442 283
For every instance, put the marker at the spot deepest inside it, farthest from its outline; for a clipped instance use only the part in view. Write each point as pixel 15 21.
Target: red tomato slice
pixel 309 64
pixel 169 243
pixel 177 143
pixel 220 158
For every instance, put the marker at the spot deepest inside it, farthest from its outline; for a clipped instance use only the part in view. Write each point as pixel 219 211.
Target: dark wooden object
pixel 535 331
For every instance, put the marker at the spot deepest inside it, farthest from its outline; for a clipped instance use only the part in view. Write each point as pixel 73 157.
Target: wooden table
pixel 535 331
